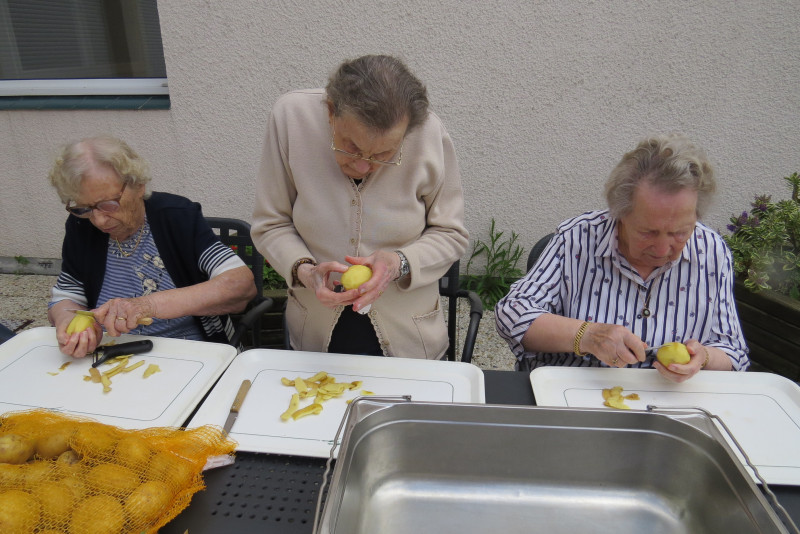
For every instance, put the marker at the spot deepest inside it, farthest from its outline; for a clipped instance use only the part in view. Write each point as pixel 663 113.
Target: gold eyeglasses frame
pixel 370 159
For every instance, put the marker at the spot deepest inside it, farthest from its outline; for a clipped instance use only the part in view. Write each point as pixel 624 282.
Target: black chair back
pixel 236 233
pixel 537 249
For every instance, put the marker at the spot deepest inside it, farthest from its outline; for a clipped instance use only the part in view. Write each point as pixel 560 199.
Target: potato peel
pixel 320 387
pixel 613 398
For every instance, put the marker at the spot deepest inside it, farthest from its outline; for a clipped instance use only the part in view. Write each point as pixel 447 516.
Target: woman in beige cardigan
pixel 361 173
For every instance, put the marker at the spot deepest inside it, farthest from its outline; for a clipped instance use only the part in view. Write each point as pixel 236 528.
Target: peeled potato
pixel 15 449
pixel 79 323
pixel 100 514
pixel 355 276
pixel 673 353
pixel 148 501
pixel 19 512
pixel 113 479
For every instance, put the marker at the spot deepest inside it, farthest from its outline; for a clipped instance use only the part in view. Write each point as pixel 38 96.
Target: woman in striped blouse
pixel 613 283
pixel 129 254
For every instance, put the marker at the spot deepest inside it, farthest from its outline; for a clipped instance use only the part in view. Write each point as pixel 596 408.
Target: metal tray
pixel 414 467
pixel 167 398
pixel 762 410
pixel 259 428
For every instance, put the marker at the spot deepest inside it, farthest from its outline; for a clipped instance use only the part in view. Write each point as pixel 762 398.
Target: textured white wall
pixel 541 98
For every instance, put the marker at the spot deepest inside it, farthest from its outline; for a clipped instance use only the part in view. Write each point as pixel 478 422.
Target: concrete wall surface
pixel 540 97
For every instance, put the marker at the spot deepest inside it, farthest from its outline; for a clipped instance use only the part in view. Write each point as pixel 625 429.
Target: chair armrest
pixel 475 314
pixel 258 306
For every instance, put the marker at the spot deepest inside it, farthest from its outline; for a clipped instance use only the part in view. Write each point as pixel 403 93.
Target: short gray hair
pixel 379 91
pixel 76 158
pixel 669 162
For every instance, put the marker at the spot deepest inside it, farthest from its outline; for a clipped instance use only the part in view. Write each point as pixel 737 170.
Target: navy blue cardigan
pixel 181 235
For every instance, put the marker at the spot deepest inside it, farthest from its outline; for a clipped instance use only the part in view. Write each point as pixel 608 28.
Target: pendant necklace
pixel 138 240
pixel 646 304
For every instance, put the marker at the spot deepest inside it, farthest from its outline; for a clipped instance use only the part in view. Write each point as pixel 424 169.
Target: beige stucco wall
pixel 541 98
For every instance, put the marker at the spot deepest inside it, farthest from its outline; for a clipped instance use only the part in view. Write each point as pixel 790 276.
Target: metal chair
pixel 448 287
pixel 236 233
pixel 537 249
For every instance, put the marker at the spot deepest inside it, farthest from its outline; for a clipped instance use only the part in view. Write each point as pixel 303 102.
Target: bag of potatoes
pixel 66 474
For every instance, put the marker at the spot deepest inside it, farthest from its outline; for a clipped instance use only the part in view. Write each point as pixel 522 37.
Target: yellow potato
pixel 75 485
pixel 19 512
pixel 57 501
pixel 169 468
pixel 100 514
pixel 36 472
pixel 79 323
pixel 132 451
pixel 10 475
pixel 55 442
pixel 93 439
pixel 355 276
pixel 148 502
pixel 113 479
pixel 15 449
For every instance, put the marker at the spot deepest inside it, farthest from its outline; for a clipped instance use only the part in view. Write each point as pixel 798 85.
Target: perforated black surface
pixel 262 493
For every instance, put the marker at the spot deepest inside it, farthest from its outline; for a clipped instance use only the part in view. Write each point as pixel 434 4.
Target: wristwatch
pixel 405 268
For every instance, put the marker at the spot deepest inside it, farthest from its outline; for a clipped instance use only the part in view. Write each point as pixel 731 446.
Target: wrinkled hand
pixel 119 316
pixel 385 265
pixel 677 372
pixel 613 344
pixel 78 344
pixel 318 278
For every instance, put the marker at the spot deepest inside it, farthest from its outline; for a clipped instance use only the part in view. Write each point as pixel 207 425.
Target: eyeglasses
pixel 394 161
pixel 106 206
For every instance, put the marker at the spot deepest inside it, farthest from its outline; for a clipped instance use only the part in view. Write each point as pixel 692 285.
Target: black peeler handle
pixel 112 351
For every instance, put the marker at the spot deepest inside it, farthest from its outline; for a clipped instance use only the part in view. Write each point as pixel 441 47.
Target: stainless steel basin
pixel 412 468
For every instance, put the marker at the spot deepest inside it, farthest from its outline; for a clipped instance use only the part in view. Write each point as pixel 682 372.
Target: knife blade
pixel 144 321
pixel 236 406
pixel 106 352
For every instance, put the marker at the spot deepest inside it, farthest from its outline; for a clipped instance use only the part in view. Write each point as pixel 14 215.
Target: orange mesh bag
pixel 67 474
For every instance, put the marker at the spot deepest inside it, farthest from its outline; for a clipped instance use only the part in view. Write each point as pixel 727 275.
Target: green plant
pixel 502 257
pixel 766 243
pixel 22 260
pixel 272 280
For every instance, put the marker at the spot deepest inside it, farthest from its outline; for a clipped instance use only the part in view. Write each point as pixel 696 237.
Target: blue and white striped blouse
pixel 582 275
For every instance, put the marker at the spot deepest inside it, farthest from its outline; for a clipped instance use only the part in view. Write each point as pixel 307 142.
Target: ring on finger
pixel 614 361
pixel 121 318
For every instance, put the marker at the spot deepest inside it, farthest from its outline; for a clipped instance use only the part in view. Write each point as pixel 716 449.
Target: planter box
pixel 771 325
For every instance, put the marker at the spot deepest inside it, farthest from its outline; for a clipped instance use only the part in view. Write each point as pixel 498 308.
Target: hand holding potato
pixel 699 358
pixel 79 342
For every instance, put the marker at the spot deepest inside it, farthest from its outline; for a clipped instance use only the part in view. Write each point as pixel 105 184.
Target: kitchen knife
pixel 105 352
pixel 236 406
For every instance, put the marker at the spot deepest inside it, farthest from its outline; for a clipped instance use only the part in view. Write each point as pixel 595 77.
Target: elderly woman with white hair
pixel 613 283
pixel 130 254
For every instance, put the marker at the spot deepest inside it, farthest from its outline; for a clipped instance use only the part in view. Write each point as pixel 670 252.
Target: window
pixel 81 48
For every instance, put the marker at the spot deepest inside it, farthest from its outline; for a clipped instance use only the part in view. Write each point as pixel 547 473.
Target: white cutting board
pixel 167 398
pixel 762 410
pixel 259 428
